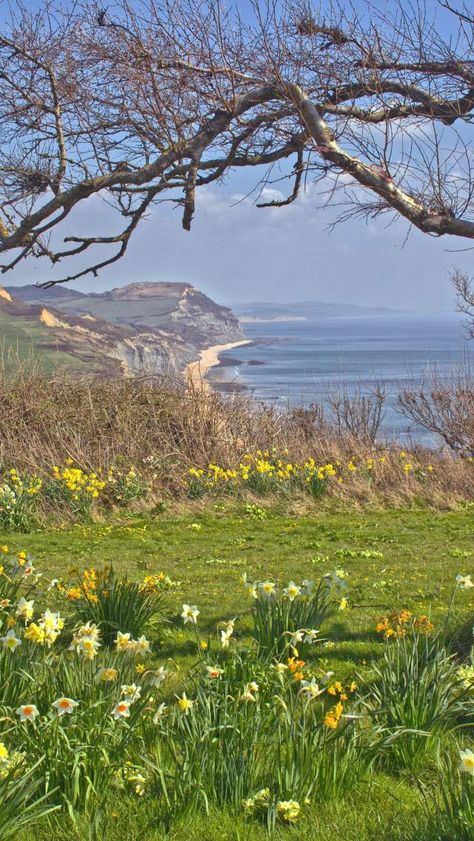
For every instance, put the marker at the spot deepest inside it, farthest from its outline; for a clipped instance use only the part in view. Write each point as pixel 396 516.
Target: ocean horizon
pixel 296 363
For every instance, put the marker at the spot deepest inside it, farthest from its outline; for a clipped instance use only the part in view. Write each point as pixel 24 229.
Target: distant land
pixel 142 328
pixel 301 311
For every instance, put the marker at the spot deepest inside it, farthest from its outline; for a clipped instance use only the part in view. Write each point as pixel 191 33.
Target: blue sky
pixel 237 252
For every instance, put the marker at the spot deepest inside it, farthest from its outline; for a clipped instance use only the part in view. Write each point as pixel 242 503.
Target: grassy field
pixel 393 559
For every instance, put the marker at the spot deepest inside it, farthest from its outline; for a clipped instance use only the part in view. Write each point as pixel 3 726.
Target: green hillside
pixel 23 340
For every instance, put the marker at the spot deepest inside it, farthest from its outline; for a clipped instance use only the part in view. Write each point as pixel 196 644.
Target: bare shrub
pixel 444 406
pixel 358 414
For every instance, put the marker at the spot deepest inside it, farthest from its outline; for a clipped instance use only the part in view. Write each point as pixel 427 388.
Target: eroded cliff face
pixel 143 328
pixel 202 323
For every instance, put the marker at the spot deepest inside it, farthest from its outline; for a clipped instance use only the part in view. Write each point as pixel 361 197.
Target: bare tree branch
pixel 165 98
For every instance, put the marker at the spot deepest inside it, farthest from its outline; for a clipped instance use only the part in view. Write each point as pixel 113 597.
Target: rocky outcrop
pixel 152 328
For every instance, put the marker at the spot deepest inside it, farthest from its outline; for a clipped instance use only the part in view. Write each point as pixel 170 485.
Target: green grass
pixel 421 553
pixel 24 340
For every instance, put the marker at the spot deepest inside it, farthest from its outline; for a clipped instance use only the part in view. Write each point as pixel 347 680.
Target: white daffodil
pixel 121 710
pixel 27 712
pixel 90 629
pixel 311 688
pixel 214 671
pixel 88 647
pixel 268 588
pixel 140 646
pixel 464 582
pixel 158 676
pixel 10 641
pixel 53 584
pixel 190 614
pixel 25 609
pixel 131 692
pixel 306 587
pixel 247 696
pixel 122 641
pixel 65 706
pixel 279 668
pixel 4 603
pixel 310 635
pixel 467 761
pixel 159 713
pixel 53 622
pixel 292 591
pixel 294 637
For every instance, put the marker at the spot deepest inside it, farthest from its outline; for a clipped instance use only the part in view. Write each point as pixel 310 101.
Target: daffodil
pixel 464 582
pixel 310 635
pixel 10 641
pixel 121 710
pixel 292 591
pixel 140 646
pixel 65 706
pixel 34 633
pixel 159 713
pixel 157 676
pixel 122 641
pixel 4 754
pixel 25 609
pixel 27 712
pixel 184 703
pixel 268 588
pixel 190 614
pixel 279 668
pixel 310 688
pixel 108 674
pixel 214 671
pixel 467 761
pixel 131 692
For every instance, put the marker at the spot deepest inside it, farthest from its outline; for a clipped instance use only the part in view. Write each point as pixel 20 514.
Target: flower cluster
pixel 397 623
pixel 269 470
pixel 77 481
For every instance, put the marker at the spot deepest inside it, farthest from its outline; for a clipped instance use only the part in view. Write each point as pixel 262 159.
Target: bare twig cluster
pixel 162 98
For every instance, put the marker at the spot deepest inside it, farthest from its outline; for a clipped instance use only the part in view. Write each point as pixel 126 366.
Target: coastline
pixel 195 372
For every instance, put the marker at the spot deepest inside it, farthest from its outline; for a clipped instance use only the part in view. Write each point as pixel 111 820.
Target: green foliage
pixel 116 603
pixel 417 696
pixel 21 802
pixel 277 618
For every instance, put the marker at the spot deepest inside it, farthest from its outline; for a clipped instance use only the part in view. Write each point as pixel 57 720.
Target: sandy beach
pixel 195 373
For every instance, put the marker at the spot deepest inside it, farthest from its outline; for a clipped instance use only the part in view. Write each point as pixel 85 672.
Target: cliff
pixel 140 328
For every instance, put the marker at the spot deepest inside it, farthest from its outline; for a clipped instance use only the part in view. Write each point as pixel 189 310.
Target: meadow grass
pixel 394 559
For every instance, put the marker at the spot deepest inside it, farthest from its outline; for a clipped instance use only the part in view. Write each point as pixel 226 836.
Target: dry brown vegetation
pixel 162 429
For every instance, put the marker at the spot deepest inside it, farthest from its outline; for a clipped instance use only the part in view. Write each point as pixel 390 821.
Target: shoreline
pixel 195 372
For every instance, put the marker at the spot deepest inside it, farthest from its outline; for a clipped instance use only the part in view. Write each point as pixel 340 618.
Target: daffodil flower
pixel 214 671
pixel 27 712
pixel 65 706
pixel 121 710
pixel 292 591
pixel 131 693
pixel 190 614
pixel 311 688
pixel 467 761
pixel 464 582
pixel 185 704
pixel 25 609
pixel 10 641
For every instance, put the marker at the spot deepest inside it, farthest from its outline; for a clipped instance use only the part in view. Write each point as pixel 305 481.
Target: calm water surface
pixel 303 360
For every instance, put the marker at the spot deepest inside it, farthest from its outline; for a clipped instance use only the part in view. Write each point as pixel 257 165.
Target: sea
pixel 291 363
